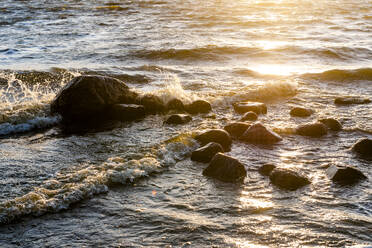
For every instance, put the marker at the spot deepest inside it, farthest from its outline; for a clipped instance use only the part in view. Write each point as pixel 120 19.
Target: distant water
pixel 135 185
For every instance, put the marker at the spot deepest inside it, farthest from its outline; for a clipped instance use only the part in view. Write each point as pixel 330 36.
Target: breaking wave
pixel 342 75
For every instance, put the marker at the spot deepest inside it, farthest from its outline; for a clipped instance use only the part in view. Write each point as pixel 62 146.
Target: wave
pixel 341 75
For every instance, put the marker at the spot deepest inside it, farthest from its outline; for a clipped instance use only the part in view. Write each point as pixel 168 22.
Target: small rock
pixel 199 106
pixel 332 124
pixel 266 169
pixel 344 175
pixel 152 103
pixel 175 104
pixel 259 134
pixel 288 179
pixel 363 147
pixel 301 112
pixel 314 130
pixel 236 129
pixel 206 153
pixel 126 112
pixel 178 119
pixel 243 107
pixel 225 168
pixel 249 116
pixel 351 100
pixel 215 135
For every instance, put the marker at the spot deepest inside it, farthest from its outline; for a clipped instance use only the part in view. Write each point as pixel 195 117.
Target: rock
pixel 259 134
pixel 301 112
pixel 266 169
pixel 126 112
pixel 351 100
pixel 344 175
pixel 256 107
pixel 332 124
pixel 175 104
pixel 152 103
pixel 199 106
pixel 249 116
pixel 236 129
pixel 215 135
pixel 314 129
pixel 87 97
pixel 178 119
pixel 206 153
pixel 225 168
pixel 363 147
pixel 288 179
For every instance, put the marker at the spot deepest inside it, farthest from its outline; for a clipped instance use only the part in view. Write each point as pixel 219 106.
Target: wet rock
pixel 301 112
pixel 206 153
pixel 351 100
pixel 288 179
pixel 199 106
pixel 236 129
pixel 225 168
pixel 332 124
pixel 249 116
pixel 266 169
pixel 344 175
pixel 87 97
pixel 126 112
pixel 178 119
pixel 152 103
pixel 256 107
pixel 313 130
pixel 215 135
pixel 259 134
pixel 175 104
pixel 363 147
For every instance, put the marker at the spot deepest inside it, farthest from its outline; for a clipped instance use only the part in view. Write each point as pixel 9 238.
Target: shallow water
pixel 135 185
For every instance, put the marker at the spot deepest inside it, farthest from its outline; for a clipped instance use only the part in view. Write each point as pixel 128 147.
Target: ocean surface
pixel 135 186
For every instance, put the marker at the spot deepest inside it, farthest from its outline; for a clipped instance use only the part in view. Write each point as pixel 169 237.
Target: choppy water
pixel 135 185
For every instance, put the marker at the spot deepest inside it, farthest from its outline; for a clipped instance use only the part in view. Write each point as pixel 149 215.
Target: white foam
pixel 36 123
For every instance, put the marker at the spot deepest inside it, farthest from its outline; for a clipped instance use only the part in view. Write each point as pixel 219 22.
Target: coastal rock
pixel 313 130
pixel 332 124
pixel 301 112
pixel 266 169
pixel 351 100
pixel 344 175
pixel 87 97
pixel 215 135
pixel 259 134
pixel 206 153
pixel 363 147
pixel 249 116
pixel 236 129
pixel 152 103
pixel 225 168
pixel 256 107
pixel 175 104
pixel 288 179
pixel 126 112
pixel 198 106
pixel 178 119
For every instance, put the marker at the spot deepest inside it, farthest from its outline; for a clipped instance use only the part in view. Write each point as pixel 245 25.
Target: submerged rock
pixel 206 153
pixel 152 103
pixel 332 124
pixel 314 129
pixel 363 147
pixel 301 112
pixel 126 112
pixel 266 169
pixel 215 135
pixel 259 134
pixel 249 116
pixel 351 100
pixel 344 175
pixel 225 168
pixel 175 104
pixel 236 129
pixel 199 106
pixel 288 179
pixel 178 119
pixel 256 107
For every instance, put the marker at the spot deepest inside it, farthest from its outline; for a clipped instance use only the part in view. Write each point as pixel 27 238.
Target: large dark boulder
pixel 332 124
pixel 288 179
pixel 87 97
pixel 178 119
pixel 256 107
pixel 152 103
pixel 215 135
pixel 206 153
pixel 344 175
pixel 175 104
pixel 126 112
pixel 363 147
pixel 301 112
pixel 198 106
pixel 351 100
pixel 249 116
pixel 225 168
pixel 259 134
pixel 313 130
pixel 236 129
